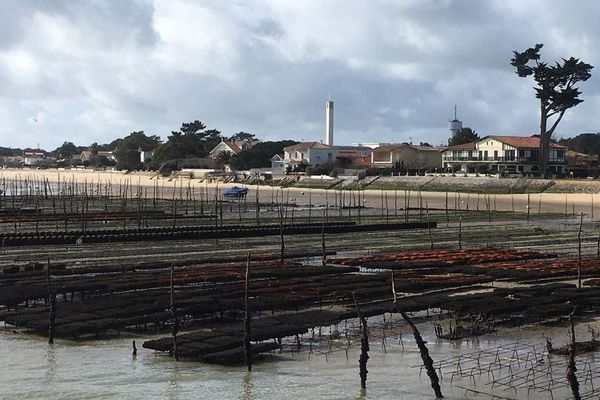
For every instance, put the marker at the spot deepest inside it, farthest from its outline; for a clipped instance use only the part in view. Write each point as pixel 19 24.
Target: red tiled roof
pixel 392 147
pixel 304 146
pixel 523 141
pixel 234 147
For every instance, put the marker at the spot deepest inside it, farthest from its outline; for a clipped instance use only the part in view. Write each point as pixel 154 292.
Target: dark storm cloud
pixel 89 71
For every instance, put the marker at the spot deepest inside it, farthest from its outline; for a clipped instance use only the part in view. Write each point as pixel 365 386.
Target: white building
pixel 277 164
pixel 315 153
pixel 34 158
pixel 503 154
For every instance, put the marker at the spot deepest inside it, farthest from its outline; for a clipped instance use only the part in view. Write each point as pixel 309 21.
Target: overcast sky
pixel 91 71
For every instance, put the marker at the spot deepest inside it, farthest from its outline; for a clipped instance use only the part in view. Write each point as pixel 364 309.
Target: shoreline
pixel 566 202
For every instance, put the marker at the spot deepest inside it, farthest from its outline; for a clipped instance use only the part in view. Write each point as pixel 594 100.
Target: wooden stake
pixel 429 225
pixel 52 303
pixel 247 325
pixel 579 252
pixel 324 259
pixel 175 327
pixel 427 361
pixel 460 233
pixel 364 347
pixel 571 367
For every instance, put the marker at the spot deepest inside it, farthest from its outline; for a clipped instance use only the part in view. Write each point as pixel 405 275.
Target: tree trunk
pixel 544 142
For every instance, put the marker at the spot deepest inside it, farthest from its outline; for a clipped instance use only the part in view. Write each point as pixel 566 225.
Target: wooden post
pixel 427 361
pixel 512 202
pixel 571 367
pixel 247 325
pixel 598 243
pixel 447 215
pixel 382 205
pixel 257 207
pixel 175 327
pixel 281 233
pixel 310 205
pixel 364 347
pixel 579 252
pixel 324 259
pixel 52 303
pixel 528 205
pixel 429 225
pixel 460 233
pixel 387 210
pixel 407 208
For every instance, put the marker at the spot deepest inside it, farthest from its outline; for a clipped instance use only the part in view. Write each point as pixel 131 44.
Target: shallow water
pixel 105 369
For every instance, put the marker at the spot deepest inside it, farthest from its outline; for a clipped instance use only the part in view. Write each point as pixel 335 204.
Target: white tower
pixel 455 124
pixel 329 123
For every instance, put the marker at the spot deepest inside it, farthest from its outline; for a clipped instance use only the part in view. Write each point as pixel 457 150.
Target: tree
pixel 191 141
pixel 66 151
pixel 243 136
pixel 588 143
pixel 223 158
pixel 555 88
pixel 463 135
pixel 259 156
pixel 127 149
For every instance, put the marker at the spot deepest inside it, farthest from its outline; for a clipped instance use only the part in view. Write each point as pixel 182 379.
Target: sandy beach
pixel 572 200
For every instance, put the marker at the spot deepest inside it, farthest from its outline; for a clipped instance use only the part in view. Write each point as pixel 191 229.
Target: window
pixel 495 154
pixel 329 156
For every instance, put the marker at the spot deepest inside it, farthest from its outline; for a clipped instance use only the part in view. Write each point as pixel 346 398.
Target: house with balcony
pixel 503 154
pixel 407 157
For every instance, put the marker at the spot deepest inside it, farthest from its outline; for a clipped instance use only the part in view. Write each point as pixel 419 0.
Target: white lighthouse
pixel 329 123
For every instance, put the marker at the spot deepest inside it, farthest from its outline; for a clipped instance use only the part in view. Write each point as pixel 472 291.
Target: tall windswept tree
pixel 555 88
pixel 463 135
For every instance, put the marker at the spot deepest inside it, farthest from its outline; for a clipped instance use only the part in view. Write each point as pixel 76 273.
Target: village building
pixel 581 165
pixel 277 164
pixel 319 154
pixel 407 156
pixel 88 155
pixel 146 155
pixel 232 147
pixel 225 146
pixel 508 155
pixel 34 158
pixel 11 161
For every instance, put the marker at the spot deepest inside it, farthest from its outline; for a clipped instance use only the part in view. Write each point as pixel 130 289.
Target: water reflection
pixel 50 372
pixel 174 389
pixel 247 387
pixel 362 395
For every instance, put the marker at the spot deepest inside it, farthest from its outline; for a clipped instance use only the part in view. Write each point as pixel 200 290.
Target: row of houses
pixel 508 155
pixel 42 159
pixel 497 154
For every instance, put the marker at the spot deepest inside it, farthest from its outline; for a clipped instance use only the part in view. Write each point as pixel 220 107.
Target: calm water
pixel 105 369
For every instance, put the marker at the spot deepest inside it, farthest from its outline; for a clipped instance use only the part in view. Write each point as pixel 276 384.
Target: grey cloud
pixel 91 71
